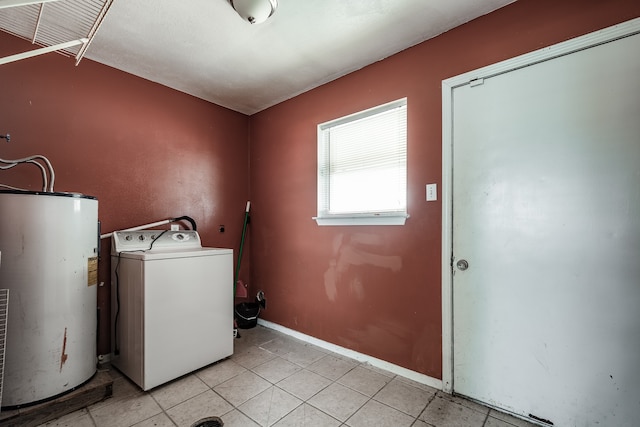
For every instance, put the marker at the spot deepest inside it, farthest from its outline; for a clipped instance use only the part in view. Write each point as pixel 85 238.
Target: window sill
pixel 362 220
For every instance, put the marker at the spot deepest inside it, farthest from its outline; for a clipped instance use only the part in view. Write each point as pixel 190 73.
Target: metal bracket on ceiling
pixel 14 3
pixel 94 30
pixel 84 41
pixel 36 52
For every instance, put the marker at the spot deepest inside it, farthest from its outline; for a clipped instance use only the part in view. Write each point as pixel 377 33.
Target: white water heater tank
pixel 49 245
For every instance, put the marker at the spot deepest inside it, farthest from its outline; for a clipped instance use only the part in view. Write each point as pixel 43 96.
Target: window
pixel 362 167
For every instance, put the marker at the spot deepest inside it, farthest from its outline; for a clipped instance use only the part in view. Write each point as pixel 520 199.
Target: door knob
pixel 462 264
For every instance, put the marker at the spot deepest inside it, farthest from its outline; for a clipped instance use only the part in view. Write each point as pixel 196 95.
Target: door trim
pixel 606 35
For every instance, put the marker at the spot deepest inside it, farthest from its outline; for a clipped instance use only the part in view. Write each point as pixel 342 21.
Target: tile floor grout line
pixel 270 406
pixel 415 418
pixel 356 411
pixel 433 397
pixel 91 418
pixel 164 411
pixel 484 423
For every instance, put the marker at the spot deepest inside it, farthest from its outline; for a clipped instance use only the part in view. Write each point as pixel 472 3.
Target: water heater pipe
pixel 8 164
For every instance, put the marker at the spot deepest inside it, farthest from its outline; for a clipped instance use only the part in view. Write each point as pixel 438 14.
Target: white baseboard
pixel 360 357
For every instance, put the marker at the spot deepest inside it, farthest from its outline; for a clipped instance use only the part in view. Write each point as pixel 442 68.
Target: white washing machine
pixel 172 304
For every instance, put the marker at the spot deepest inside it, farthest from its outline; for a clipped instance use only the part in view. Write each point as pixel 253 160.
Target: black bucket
pixel 247 314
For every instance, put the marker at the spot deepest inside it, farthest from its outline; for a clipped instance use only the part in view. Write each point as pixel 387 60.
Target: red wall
pixel 145 151
pixel 377 290
pixel 148 152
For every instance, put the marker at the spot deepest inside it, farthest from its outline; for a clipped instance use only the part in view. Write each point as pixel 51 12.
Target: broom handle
pixel 244 230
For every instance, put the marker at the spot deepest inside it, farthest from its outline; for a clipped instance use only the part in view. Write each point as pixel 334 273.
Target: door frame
pixel 606 35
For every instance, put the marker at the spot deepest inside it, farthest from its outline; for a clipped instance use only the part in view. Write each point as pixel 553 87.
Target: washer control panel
pixel 145 240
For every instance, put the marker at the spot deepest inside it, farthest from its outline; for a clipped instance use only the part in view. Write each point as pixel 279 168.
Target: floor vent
pixel 208 422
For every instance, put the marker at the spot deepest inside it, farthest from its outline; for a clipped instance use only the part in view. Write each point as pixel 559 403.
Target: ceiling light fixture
pixel 254 11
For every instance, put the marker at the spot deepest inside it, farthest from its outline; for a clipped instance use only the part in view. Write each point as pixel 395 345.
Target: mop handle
pixel 244 229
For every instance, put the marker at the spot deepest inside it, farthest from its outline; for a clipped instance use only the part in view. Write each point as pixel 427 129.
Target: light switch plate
pixel 432 192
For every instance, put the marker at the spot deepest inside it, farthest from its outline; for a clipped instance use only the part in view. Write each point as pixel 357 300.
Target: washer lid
pixel 174 254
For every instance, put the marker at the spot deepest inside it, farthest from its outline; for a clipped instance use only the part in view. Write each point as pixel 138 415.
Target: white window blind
pixel 362 165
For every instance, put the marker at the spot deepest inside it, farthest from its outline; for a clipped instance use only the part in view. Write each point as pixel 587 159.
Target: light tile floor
pixel 275 380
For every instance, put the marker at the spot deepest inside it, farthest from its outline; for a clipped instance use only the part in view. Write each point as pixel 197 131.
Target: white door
pixel 546 214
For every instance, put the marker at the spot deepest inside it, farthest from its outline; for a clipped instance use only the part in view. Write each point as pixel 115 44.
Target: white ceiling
pixel 204 48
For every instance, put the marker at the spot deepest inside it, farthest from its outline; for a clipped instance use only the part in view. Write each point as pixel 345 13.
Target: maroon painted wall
pixel 377 290
pixel 148 152
pixel 145 151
